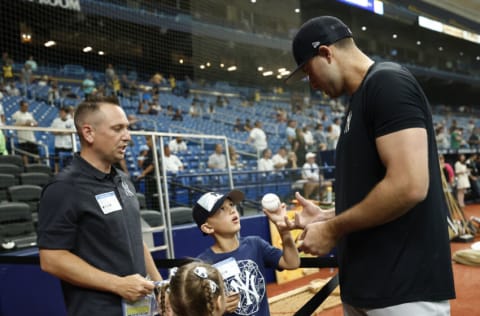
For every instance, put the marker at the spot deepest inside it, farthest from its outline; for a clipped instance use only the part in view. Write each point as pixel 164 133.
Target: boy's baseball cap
pixel 209 203
pixel 323 30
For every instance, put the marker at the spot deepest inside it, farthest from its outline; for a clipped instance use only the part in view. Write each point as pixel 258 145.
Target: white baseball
pixel 271 202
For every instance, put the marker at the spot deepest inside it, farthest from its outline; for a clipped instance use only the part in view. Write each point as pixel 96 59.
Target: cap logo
pixel 315 44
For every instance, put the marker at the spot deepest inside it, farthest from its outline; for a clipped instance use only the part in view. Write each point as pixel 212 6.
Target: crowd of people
pixel 389 210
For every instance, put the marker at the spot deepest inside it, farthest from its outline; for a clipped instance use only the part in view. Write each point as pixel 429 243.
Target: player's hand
pixel 317 239
pixel 231 302
pixel 310 213
pixel 133 287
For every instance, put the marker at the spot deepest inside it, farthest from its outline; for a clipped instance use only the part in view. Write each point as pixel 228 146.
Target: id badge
pixel 108 202
pixel 146 306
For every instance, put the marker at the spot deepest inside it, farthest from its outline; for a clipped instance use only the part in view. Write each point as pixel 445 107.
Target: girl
pixel 194 289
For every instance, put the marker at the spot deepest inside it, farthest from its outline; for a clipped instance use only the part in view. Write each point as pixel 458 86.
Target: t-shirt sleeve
pixel 271 255
pixel 57 221
pixel 395 102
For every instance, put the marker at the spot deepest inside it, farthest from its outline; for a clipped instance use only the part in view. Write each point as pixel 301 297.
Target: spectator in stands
pixel 448 172
pixel 146 164
pixel 290 131
pixel 177 116
pixel 53 94
pixel 195 288
pixel 171 161
pixel 308 136
pixel 234 158
pixel 311 173
pixel 280 159
pixel 88 86
pixel 177 145
pixel 456 138
pixel 7 69
pixel 100 257
pixel 292 160
pixel 26 139
pixel 473 175
pixel 248 126
pixel 12 90
pixel 3 139
pixel 134 121
pixel 63 140
pixel 26 76
pixel 320 138
pixel 265 163
pixel 474 139
pixel 299 146
pixel 173 83
pixel 462 172
pixel 32 64
pixel 109 77
pixel 217 160
pixel 217 216
pixel 442 137
pixel 258 137
pixel 170 110
pixel 238 126
pixel 195 110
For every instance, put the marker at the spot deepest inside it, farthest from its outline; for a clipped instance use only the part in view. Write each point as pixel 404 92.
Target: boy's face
pixel 226 220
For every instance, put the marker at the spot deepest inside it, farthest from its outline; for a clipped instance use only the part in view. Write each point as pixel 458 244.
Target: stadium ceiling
pixel 469 9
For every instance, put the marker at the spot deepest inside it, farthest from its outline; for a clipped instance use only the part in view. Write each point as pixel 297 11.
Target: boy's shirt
pixel 253 256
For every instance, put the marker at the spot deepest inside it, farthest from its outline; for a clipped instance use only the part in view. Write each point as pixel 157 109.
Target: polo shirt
pixel 109 238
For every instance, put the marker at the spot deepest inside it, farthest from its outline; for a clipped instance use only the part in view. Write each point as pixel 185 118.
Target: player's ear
pixel 206 228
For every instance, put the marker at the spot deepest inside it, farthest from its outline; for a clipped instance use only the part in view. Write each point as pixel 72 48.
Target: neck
pixel 356 69
pixel 95 162
pixel 225 244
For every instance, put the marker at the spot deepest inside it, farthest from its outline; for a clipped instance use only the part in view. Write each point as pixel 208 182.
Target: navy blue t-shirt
pixel 253 256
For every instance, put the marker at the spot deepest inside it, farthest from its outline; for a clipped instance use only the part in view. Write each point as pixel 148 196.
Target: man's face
pixel 111 134
pixel 323 75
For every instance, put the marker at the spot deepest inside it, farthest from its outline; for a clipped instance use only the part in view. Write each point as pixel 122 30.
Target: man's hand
pixel 133 287
pixel 317 239
pixel 310 213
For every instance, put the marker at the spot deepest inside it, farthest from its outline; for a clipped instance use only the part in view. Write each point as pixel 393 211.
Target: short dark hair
pixel 90 106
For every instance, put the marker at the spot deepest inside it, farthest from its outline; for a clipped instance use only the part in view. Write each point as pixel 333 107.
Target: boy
pixel 216 215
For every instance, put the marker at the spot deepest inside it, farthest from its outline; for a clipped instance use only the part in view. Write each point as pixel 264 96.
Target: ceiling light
pixel 49 43
pixel 208 64
pixel 394 36
pixel 260 68
pixel 222 65
pixel 364 28
pixel 202 66
pixel 440 48
pixel 101 52
pixel 87 49
pixel 232 68
pixel 297 10
pixel 267 73
pixel 180 61
pixel 253 1
pixel 419 43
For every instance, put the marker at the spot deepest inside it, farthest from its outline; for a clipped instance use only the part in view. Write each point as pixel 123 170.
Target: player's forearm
pixel 387 201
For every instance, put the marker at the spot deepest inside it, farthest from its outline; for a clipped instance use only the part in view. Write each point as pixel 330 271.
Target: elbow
pixel 415 193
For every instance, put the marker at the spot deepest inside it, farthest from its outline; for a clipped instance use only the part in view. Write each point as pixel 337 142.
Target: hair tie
pixel 201 272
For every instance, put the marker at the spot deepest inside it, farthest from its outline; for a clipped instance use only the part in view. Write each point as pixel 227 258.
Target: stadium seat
pixel 26 193
pixel 6 181
pixel 12 159
pixel 152 217
pixel 16 226
pixel 35 178
pixel 181 215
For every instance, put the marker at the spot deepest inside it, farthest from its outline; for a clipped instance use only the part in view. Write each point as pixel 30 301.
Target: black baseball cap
pixel 322 30
pixel 209 203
